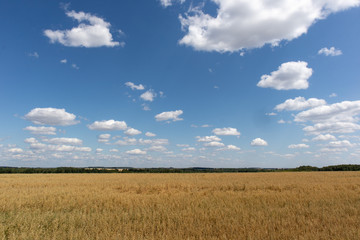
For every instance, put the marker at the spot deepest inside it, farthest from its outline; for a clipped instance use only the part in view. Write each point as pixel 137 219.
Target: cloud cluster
pixel 252 24
pixel 290 75
pixel 41 130
pixel 299 103
pixel 51 116
pixel 92 31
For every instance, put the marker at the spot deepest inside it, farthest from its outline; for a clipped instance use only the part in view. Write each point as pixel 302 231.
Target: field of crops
pixel 314 205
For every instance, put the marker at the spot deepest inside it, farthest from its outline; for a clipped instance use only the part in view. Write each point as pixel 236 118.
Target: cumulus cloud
pixel 232 147
pixel 92 31
pixel 104 138
pixel 326 137
pixel 258 142
pixel 63 61
pixel 157 148
pixel 64 141
pixel 126 142
pixel 159 141
pixel 290 75
pixel 169 116
pixel 132 132
pixel 41 130
pixel 226 131
pixel 188 149
pixel 341 144
pixel 150 134
pixel 136 152
pixel 51 116
pixel 208 139
pixel 332 127
pixel 108 125
pixel 15 150
pixel 133 86
pixel 148 95
pixel 330 51
pixel 113 150
pixel 252 24
pixel 299 103
pixel 338 112
pixel 300 145
pixel 214 144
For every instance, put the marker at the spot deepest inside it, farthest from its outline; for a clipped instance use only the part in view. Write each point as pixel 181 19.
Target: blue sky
pixel 179 83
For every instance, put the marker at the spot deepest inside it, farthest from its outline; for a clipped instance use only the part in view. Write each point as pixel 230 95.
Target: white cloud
pixel 226 131
pixel 63 61
pixel 64 141
pixel 92 31
pixel 34 54
pixel 332 127
pixel 182 145
pixel 300 145
pixel 208 139
pixel 167 3
pixel 214 144
pixel 326 137
pixel 31 140
pixel 150 134
pixel 136 152
pixel 99 150
pixel 281 121
pixel 148 95
pixel 290 75
pixel 113 150
pixel 75 66
pixel 108 125
pixel 15 150
pixel 132 132
pixel 251 24
pixel 169 116
pixel 51 116
pixel 133 86
pixel 271 114
pixel 338 112
pixel 159 141
pixel 341 144
pixel 299 103
pixel 157 148
pixel 232 147
pixel 126 142
pixel 104 138
pixel 188 149
pixel 330 51
pixel 41 130
pixel 59 148
pixel 333 95
pixel 258 142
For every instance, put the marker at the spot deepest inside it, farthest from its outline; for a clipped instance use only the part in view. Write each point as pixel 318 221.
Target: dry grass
pixel 181 206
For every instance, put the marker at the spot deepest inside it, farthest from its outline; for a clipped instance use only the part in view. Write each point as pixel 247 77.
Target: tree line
pixel 343 167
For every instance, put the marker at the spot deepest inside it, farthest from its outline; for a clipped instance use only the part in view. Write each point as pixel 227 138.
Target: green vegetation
pixel 348 167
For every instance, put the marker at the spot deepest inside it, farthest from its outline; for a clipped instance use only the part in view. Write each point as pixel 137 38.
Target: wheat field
pixel 316 205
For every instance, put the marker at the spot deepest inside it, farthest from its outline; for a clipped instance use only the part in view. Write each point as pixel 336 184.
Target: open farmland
pixel 316 205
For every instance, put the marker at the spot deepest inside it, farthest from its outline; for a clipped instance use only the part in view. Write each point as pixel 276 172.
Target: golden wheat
pixel 314 205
